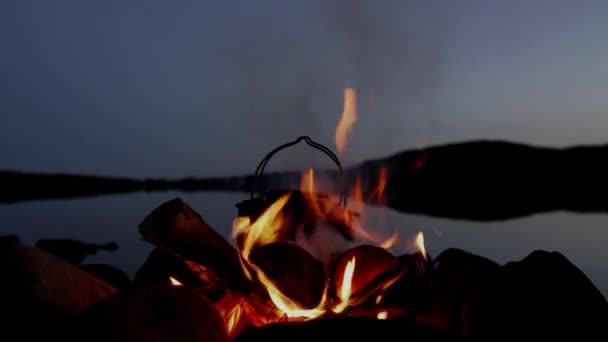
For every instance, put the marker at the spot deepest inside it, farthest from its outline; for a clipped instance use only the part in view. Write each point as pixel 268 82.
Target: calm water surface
pixel 580 237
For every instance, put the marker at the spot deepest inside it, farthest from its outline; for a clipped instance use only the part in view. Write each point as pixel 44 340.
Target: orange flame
pixel 346 289
pixel 382 178
pixel 390 242
pixel 175 282
pixel 264 230
pixel 308 188
pixel 347 119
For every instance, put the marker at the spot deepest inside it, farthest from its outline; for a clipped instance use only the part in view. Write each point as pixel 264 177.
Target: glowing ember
pixel 347 119
pixel 382 315
pixel 175 282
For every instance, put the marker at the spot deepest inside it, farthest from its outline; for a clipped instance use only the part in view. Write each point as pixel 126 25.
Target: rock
pixel 155 313
pixel 40 292
pixel 543 296
pixel 411 289
pixel 177 228
pixel 455 275
pixel 73 251
pixel 112 275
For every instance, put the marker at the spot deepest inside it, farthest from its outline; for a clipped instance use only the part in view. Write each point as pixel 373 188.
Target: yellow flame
pixel 420 244
pixel 175 282
pixel 347 119
pixel 390 242
pixel 379 299
pixel 346 288
pixel 233 318
pixel 382 315
pixel 265 229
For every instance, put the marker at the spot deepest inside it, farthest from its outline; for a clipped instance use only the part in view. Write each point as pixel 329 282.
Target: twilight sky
pixel 203 88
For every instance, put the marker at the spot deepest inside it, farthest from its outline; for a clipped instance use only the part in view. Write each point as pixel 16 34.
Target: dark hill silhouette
pixel 477 180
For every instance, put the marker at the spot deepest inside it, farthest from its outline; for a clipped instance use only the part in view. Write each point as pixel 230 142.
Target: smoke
pixel 283 71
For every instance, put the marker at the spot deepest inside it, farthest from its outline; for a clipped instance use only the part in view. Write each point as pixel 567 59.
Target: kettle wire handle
pixel 259 171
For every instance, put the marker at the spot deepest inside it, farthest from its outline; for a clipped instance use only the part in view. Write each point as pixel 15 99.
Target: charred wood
pixel 177 228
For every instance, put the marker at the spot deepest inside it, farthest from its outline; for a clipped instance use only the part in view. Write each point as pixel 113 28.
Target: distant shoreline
pixel 478 180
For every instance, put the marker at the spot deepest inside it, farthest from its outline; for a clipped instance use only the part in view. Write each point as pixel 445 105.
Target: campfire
pixel 301 256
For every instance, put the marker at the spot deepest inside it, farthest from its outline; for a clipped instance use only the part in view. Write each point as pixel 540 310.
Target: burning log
pixel 191 253
pixel 175 227
pixel 160 266
pixel 152 313
pixel 293 270
pixel 543 296
pixel 40 292
pixel 372 270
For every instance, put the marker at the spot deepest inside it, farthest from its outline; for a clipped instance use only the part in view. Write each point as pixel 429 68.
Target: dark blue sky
pixel 176 88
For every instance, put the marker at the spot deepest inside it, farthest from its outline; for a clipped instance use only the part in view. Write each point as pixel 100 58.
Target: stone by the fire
pixel 177 228
pixel 73 251
pixel 411 289
pixel 112 275
pixel 543 297
pixel 40 292
pixel 455 275
pixel 155 313
pixel 293 270
pixel 374 266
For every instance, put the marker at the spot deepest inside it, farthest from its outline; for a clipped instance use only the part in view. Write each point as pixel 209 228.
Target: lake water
pixel 580 237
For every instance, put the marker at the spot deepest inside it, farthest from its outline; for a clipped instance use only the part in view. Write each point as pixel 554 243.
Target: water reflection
pixel 580 237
